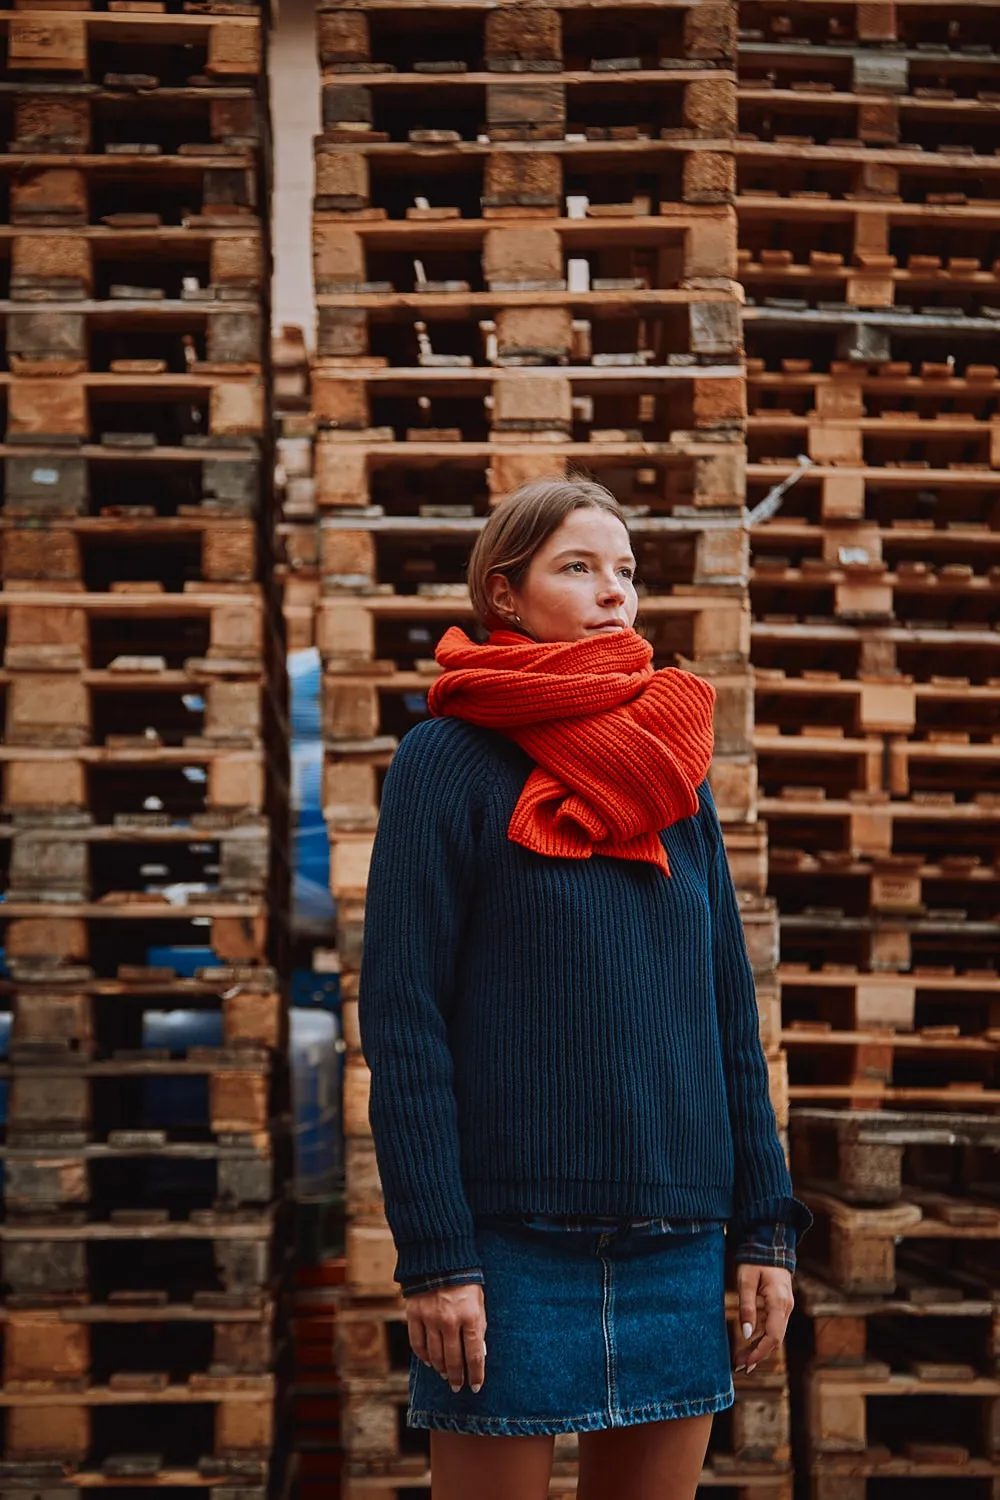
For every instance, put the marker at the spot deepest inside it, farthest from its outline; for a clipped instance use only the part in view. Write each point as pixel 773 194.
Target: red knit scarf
pixel 620 749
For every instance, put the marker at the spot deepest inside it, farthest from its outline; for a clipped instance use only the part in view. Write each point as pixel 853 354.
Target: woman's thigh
pixel 650 1461
pixel 490 1468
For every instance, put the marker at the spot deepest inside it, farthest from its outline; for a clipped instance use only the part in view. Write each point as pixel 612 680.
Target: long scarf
pixel 620 749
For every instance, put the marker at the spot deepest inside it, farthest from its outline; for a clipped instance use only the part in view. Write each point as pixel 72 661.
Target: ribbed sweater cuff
pixel 433 1258
pixel 777 1210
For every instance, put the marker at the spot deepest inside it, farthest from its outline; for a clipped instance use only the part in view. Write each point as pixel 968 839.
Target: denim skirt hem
pixel 589 1329
pixel 591 1421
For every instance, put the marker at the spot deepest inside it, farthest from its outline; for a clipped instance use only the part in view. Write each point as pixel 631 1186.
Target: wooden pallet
pixel 96 705
pixel 62 1016
pixel 887 652
pixel 66 863
pixel 68 257
pixel 220 787
pixel 702 471
pixel 367 263
pixel 948 176
pixel 68 190
pixel 69 553
pixel 622 105
pixel 44 1179
pixel 55 1257
pixel 951 1322
pixel 888 705
pixel 223 47
pixel 57 631
pixel 873 826
pixel 374 403
pixel 873 591
pixel 229 1417
pixel 189 484
pixel 870 1154
pixel 856 1248
pixel 632 330
pixel 162 115
pixel 67 1345
pixel 71 409
pixel 45 944
pixel 852 1411
pixel 557 35
pixel 356 178
pixel 909 23
pixel 144 334
pixel 100 1109
pixel 838 996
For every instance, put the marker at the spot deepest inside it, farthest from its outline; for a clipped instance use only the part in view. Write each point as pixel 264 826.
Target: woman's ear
pixel 499 595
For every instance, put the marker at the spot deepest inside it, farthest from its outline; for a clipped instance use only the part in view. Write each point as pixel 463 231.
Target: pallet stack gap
pixel 525 257
pixel 296 535
pixel 868 183
pixel 143 759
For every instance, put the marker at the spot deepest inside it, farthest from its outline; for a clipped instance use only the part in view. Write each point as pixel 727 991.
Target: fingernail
pixel 747 1330
pixel 750 1369
pixel 476 1389
pixel 456 1389
pixel 740 1369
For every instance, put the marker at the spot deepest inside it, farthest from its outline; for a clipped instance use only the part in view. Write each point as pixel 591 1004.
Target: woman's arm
pixel 763 1188
pixel 419 887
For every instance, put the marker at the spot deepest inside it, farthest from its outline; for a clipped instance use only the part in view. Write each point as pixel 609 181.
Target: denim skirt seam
pixel 593 1421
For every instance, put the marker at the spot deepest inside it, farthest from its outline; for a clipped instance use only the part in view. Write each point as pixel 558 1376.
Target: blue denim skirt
pixel 589 1327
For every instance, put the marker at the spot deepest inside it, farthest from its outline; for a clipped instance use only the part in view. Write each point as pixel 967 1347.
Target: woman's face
pixel 578 584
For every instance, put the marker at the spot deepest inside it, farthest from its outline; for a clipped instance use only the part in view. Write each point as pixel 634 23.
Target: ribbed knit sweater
pixel 553 1035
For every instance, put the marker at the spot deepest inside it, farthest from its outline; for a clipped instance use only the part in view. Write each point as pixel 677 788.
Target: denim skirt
pixel 589 1327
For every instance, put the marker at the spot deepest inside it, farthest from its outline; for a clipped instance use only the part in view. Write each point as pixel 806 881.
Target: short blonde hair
pixel 521 524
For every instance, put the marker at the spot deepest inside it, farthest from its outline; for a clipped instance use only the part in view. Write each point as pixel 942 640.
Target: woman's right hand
pixel 448 1332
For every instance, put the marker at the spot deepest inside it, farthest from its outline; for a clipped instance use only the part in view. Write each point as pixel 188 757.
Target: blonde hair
pixel 521 524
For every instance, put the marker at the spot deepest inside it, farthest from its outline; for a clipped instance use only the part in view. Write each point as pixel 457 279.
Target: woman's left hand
pixel 774 1286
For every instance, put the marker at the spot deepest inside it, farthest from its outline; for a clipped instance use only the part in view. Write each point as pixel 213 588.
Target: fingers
pixel 418 1339
pixel 748 1277
pixel 435 1349
pixel 454 1355
pixel 749 1280
pixel 774 1333
pixel 475 1357
pixel 448 1332
pixel 775 1287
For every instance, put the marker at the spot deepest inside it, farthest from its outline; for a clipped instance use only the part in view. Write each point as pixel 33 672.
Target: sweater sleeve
pixel 419 887
pixel 763 1187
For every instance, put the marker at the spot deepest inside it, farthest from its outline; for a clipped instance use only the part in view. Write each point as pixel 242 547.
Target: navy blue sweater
pixel 552 1035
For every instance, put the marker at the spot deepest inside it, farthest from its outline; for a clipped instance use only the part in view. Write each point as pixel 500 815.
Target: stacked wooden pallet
pixel 867 196
pixel 140 1234
pixel 525 251
pixel 296 539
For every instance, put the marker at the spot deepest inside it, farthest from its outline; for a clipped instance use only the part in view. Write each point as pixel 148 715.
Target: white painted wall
pixel 295 120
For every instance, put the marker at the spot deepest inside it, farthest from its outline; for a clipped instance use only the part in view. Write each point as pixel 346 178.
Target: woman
pixel 569 1096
